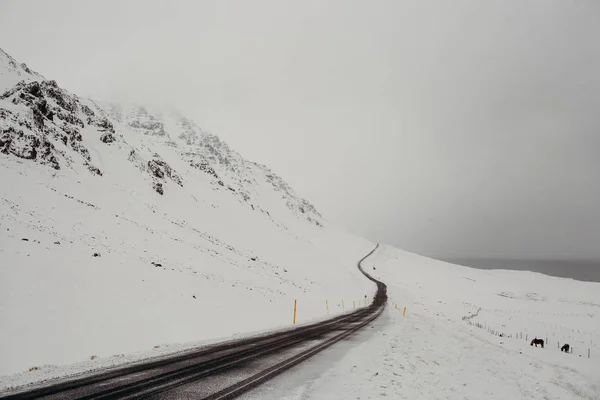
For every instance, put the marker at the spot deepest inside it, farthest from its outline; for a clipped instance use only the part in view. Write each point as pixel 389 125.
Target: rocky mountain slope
pixel 44 123
pixel 123 228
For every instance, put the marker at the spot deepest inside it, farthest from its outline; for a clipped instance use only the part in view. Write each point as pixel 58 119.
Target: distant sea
pixel 579 270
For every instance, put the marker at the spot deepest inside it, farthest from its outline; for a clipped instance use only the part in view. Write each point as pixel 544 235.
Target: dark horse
pixel 565 348
pixel 537 341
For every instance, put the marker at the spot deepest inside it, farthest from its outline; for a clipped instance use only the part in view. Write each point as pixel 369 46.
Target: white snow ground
pixel 432 353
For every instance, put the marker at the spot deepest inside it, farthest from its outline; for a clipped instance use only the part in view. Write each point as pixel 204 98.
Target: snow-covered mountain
pixel 44 123
pixel 125 227
pixel 206 152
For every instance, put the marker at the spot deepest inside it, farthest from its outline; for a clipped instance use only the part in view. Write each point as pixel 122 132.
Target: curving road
pixel 218 372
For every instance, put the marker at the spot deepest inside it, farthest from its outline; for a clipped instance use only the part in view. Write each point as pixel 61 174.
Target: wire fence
pixel 517 335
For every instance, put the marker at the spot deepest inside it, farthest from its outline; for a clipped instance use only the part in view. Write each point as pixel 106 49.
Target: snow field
pixel 509 302
pixel 220 268
pixel 433 354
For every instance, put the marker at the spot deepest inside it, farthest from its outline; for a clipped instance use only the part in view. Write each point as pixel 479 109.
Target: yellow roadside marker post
pixel 294 310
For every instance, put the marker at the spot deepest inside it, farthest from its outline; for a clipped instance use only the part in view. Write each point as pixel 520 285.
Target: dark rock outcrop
pixel 107 137
pixel 161 169
pixel 205 167
pixel 94 170
pixel 155 169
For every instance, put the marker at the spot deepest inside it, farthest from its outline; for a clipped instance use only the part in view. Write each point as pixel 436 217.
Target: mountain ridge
pixel 45 123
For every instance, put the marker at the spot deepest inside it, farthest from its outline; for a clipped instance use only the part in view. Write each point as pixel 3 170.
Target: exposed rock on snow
pixel 159 188
pixel 155 169
pixel 15 141
pixel 39 121
pixel 161 169
pixel 205 167
pixel 94 170
pixel 107 137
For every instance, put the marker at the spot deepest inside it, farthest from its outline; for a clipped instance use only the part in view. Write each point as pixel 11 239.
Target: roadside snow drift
pixel 123 229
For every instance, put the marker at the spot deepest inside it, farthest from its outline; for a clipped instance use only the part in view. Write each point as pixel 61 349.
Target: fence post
pixel 327 307
pixel 404 312
pixel 294 311
pixel 353 304
pixel 343 308
pixel 588 353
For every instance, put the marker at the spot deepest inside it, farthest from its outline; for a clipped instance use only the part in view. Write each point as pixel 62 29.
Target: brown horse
pixel 537 341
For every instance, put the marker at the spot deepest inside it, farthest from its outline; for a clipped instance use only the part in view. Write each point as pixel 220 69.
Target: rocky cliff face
pixel 43 123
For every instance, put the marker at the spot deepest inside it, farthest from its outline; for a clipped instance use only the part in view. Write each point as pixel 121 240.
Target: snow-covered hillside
pixel 435 353
pixel 125 228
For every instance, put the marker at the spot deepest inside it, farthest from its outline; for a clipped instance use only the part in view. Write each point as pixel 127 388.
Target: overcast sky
pixel 449 128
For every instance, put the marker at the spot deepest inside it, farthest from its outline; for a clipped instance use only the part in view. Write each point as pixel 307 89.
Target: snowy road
pixel 217 372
